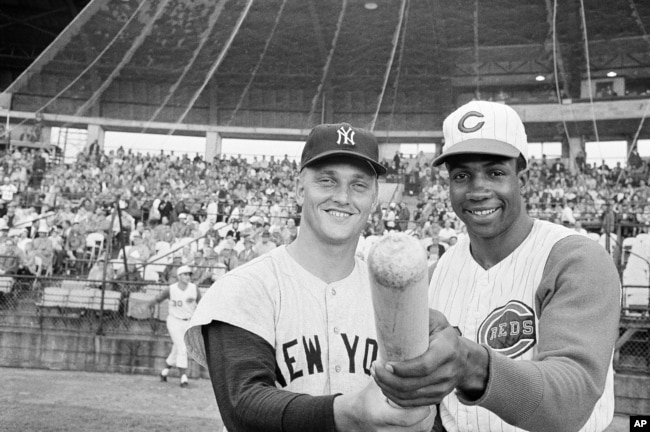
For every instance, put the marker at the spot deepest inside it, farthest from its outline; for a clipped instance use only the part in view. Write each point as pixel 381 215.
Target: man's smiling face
pixel 337 196
pixel 485 193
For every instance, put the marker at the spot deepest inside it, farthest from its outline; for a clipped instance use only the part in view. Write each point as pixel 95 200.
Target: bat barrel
pixel 399 281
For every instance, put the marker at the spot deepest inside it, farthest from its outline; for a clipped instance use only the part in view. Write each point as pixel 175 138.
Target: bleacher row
pixel 78 295
pixel 83 295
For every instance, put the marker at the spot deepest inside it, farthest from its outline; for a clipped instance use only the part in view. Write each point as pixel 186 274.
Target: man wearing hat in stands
pixel 139 246
pixel 234 231
pixel 162 231
pixel 183 297
pixel 524 312
pixel 265 244
pixel 248 253
pixel 180 228
pixel 289 337
pixel 139 230
pixel 226 253
pixel 12 258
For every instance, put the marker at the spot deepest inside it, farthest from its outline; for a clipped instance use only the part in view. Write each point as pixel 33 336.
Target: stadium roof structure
pixel 382 64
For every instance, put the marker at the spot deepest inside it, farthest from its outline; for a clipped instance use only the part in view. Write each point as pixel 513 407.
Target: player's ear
pixel 524 177
pixel 375 200
pixel 521 166
pixel 300 189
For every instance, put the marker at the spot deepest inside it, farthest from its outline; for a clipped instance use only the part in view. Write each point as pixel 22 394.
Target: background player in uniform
pixel 289 337
pixel 536 304
pixel 183 297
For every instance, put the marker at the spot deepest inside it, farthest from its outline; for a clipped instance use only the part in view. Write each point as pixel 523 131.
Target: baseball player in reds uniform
pixel 183 297
pixel 537 305
pixel 289 338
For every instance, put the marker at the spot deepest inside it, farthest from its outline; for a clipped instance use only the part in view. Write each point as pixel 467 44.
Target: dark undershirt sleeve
pixel 242 369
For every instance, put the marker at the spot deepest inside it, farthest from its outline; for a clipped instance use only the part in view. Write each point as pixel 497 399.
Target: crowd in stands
pixel 121 215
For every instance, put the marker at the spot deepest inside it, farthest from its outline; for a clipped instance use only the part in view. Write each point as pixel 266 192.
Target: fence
pixel 76 304
pixel 81 305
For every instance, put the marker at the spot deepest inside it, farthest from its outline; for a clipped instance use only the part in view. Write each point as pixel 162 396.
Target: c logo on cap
pixel 465 129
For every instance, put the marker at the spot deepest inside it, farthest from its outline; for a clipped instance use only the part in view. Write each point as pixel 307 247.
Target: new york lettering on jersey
pixel 305 356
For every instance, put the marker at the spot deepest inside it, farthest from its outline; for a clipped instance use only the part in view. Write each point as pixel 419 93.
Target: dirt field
pixel 45 401
pixel 35 400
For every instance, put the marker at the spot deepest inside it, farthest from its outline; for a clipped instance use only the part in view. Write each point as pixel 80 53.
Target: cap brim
pixel 378 168
pixel 479 146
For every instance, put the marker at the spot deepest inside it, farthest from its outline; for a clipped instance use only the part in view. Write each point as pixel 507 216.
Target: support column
pixel 212 145
pixel 575 146
pixel 95 133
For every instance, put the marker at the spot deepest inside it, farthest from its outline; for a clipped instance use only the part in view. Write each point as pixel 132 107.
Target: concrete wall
pixel 137 354
pixel 632 394
pixel 65 350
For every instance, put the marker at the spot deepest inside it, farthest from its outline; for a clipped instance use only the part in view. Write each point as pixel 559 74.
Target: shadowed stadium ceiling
pixel 402 65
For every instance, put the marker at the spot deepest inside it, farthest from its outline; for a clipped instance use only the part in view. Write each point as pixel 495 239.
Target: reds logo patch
pixel 469 129
pixel 509 330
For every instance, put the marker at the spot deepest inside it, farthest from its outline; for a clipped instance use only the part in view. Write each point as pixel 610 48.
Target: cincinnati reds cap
pixel 327 140
pixel 485 128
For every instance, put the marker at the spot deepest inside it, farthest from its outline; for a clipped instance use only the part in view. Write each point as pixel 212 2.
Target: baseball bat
pixel 399 282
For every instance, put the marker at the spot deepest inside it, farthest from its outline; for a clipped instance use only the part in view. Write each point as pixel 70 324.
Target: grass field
pixel 35 400
pixel 46 401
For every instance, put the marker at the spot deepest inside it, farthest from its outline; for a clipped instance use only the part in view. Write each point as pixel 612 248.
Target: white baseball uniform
pixel 534 305
pixel 323 334
pixel 182 304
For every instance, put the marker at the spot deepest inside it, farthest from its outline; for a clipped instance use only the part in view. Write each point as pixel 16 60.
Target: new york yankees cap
pixel 483 127
pixel 328 140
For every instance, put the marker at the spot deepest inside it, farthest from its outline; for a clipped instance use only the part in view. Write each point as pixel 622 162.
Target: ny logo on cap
pixel 477 126
pixel 346 135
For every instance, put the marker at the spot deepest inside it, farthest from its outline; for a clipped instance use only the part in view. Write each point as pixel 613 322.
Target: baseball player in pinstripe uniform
pixel 289 337
pixel 537 305
pixel 183 297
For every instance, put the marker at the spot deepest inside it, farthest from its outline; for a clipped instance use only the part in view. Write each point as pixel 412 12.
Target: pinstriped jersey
pixel 323 335
pixel 497 307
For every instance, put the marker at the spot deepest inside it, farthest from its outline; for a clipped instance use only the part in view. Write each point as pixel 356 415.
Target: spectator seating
pixel 137 301
pixel 77 294
pixel 6 283
pixel 94 246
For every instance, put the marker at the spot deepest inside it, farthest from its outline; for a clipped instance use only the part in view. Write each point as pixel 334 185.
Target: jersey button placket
pixel 334 330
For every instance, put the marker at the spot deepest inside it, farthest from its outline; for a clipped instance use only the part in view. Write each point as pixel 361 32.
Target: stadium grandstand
pixel 94 219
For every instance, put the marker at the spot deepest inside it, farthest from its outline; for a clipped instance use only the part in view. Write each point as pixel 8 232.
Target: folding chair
pixel 94 246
